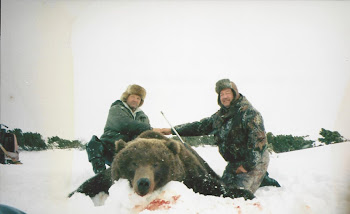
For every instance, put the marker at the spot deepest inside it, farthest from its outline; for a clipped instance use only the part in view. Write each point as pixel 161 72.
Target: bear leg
pixel 207 185
pixel 99 183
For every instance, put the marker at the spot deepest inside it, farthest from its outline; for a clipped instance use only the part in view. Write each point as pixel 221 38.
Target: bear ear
pixel 119 145
pixel 173 146
pixel 152 135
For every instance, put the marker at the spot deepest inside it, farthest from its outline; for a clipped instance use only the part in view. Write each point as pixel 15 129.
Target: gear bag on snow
pixel 9 153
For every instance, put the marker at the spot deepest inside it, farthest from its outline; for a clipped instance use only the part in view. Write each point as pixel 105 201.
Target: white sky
pixel 64 63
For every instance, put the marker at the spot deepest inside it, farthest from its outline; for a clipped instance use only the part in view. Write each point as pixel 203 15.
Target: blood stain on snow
pixel 175 197
pixel 258 205
pixel 239 209
pixel 157 204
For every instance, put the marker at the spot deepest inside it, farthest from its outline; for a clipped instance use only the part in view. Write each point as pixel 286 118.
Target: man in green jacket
pixel 125 121
pixel 239 132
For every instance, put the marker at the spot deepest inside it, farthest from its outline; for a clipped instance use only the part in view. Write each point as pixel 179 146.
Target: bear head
pixel 148 162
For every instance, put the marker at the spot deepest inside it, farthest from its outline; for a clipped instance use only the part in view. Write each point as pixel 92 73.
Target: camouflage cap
pixel 226 83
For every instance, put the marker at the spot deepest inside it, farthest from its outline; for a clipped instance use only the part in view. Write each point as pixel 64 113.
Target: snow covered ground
pixel 314 180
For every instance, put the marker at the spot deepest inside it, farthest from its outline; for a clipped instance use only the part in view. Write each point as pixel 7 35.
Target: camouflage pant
pixel 105 147
pixel 97 148
pixel 250 180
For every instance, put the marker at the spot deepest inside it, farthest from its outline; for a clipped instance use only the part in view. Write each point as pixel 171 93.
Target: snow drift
pixel 313 180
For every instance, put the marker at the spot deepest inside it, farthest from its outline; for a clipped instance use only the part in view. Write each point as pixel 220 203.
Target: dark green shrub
pixel 33 141
pixel 56 142
pixel 286 143
pixel 330 137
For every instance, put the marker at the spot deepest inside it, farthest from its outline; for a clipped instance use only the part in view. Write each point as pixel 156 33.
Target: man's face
pixel 133 101
pixel 226 97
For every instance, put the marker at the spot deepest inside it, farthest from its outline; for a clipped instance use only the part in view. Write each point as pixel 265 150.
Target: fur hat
pixel 226 83
pixel 134 89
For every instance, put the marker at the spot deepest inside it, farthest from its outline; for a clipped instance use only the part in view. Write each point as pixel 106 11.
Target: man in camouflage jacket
pixel 125 121
pixel 239 132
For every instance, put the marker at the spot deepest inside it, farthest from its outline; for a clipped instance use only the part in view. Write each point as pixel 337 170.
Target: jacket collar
pixel 133 113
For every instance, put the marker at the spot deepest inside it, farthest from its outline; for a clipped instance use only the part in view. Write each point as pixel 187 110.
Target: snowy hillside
pixel 314 180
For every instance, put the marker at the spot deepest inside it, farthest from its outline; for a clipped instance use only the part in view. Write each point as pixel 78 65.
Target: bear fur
pixel 152 160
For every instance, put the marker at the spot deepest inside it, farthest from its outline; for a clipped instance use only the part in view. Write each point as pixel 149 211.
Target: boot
pixel 267 181
pixel 98 165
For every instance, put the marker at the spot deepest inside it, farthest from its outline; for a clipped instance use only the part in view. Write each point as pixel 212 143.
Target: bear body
pixel 151 161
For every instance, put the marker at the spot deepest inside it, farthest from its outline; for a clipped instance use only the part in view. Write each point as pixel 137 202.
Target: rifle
pixel 177 134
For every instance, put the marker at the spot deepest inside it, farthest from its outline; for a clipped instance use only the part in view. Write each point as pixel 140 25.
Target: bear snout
pixel 143 186
pixel 143 181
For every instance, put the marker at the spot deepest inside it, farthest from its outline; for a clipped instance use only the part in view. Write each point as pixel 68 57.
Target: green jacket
pixel 238 131
pixel 124 124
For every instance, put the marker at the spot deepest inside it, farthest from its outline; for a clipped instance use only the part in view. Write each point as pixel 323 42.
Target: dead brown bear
pixel 151 161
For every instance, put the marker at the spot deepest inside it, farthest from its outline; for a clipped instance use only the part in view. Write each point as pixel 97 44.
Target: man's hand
pixel 166 131
pixel 240 170
pixel 157 130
